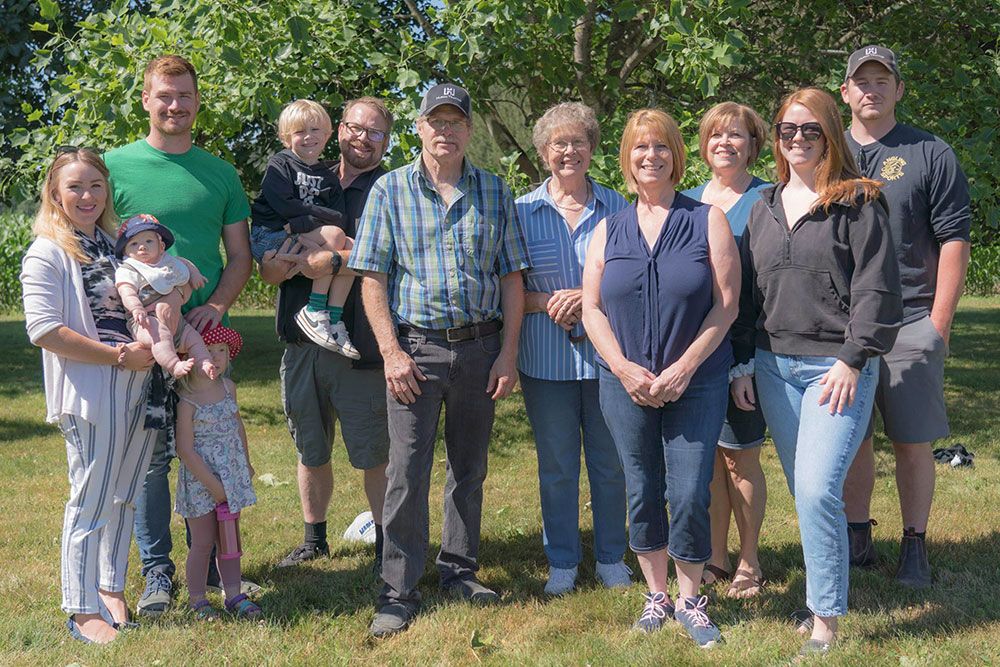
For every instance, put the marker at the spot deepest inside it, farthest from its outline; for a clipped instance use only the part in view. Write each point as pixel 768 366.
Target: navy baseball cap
pixel 873 52
pixel 141 223
pixel 447 93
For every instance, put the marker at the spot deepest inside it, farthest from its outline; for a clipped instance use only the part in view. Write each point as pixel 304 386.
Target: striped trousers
pixel 107 462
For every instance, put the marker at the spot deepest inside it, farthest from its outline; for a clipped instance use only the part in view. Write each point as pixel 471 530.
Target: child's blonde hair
pixel 301 113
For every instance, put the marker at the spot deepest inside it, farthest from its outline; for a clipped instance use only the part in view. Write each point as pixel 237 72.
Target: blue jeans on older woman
pixel 816 448
pixel 668 455
pixel 563 414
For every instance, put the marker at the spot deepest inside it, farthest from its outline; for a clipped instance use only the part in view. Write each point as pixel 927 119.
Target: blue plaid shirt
pixel 557 258
pixel 443 263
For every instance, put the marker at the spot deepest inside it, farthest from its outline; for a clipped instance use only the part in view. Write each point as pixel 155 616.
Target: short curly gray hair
pixel 563 115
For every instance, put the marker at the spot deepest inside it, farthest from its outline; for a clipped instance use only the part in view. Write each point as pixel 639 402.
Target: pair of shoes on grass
pixel 612 575
pixel 688 612
pixel 395 617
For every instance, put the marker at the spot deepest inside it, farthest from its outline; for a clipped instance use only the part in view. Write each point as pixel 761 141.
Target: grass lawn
pixel 319 613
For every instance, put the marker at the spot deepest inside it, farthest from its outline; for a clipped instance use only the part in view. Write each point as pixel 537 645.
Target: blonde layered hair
pixel 300 114
pixel 51 221
pixel 838 179
pixel 661 125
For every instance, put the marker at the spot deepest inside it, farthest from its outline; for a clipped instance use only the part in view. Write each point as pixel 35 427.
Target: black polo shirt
pixel 293 294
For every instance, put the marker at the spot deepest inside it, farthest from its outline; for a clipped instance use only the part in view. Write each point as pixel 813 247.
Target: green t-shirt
pixel 194 194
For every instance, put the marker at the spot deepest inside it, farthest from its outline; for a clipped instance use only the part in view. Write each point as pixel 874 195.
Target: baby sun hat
pixel 141 223
pixel 223 334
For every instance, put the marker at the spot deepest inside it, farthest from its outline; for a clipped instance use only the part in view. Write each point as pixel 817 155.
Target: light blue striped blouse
pixel 557 256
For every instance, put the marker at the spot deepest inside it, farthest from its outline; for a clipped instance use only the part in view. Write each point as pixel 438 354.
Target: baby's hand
pixel 197 279
pixel 209 369
pixel 139 315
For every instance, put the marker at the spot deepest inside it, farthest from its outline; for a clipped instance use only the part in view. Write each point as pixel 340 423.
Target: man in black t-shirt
pixel 320 387
pixel 929 216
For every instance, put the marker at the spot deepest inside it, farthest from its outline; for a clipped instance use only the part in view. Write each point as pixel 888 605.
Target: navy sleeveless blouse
pixel 657 300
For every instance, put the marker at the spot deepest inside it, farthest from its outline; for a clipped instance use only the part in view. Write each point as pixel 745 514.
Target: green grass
pixel 318 614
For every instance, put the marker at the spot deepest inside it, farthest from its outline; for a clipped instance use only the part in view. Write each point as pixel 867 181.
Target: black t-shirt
pixel 303 196
pixel 928 199
pixel 293 294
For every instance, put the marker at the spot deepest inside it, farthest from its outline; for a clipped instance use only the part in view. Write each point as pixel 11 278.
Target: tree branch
pixel 582 33
pixel 640 53
pixel 506 141
pixel 420 18
pixel 851 35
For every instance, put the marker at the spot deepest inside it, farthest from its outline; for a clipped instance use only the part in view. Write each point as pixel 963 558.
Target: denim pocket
pixel 491 344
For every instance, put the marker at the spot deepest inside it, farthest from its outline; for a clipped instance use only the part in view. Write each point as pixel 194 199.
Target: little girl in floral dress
pixel 215 468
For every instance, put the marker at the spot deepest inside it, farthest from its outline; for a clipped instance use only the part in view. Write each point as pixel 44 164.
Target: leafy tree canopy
pixel 515 57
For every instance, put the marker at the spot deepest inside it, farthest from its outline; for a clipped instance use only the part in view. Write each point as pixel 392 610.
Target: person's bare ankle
pixel 115 602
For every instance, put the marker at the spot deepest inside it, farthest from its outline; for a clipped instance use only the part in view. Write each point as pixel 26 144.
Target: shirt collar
pixel 416 173
pixel 541 195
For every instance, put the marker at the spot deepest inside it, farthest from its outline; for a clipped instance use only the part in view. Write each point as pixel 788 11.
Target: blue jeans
pixel 789 396
pixel 558 411
pixel 668 455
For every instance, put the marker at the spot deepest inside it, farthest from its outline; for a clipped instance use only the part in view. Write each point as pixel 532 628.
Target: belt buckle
pixel 452 334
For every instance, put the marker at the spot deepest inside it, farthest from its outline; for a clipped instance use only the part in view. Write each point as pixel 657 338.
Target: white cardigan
pixel 54 296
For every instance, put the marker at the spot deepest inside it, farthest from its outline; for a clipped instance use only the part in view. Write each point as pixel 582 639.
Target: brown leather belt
pixel 456 334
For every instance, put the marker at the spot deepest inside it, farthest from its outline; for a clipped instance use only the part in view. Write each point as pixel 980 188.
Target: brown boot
pixel 862 549
pixel 914 569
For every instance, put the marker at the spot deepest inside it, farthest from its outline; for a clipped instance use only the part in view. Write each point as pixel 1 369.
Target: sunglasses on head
pixel 69 148
pixel 810 131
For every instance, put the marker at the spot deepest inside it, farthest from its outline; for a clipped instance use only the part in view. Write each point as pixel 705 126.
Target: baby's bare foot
pixel 210 370
pixel 182 368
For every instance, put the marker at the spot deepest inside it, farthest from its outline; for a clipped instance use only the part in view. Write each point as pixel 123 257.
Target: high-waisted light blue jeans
pixel 816 449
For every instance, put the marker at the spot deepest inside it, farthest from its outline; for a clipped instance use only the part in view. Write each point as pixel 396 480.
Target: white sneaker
pixel 315 325
pixel 338 332
pixel 614 575
pixel 561 581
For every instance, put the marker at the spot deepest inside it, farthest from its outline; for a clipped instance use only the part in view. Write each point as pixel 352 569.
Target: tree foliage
pixel 516 58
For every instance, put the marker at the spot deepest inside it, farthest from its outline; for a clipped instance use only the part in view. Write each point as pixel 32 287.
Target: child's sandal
pixel 204 611
pixel 243 607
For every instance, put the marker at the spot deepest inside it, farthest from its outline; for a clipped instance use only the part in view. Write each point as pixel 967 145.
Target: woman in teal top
pixel 731 138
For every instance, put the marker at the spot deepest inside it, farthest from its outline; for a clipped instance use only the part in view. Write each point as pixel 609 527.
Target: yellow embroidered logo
pixel 892 168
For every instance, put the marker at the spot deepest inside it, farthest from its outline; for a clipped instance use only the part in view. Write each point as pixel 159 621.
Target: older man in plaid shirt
pixel 441 251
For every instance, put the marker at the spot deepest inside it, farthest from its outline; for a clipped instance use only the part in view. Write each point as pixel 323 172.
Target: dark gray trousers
pixel 457 375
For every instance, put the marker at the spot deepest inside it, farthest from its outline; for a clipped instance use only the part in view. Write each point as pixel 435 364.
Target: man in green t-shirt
pixel 199 197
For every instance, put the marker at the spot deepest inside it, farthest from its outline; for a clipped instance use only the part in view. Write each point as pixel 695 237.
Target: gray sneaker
pixel 156 597
pixel 655 612
pixel 690 613
pixel 391 619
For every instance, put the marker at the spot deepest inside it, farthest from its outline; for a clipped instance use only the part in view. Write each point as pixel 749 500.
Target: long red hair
pixel 838 179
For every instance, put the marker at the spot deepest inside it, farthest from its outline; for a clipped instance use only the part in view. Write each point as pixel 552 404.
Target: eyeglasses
pixel 439 124
pixel 358 130
pixel 575 144
pixel 810 131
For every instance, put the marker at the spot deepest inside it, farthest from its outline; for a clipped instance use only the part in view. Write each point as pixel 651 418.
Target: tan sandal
pixel 745 585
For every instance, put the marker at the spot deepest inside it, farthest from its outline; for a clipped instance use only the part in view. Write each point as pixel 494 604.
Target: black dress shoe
pixel 914 569
pixel 862 549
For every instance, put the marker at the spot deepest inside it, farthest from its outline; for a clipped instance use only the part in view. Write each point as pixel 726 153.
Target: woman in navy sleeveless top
pixel 660 292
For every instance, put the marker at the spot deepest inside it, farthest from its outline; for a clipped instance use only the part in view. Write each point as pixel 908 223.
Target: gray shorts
pixel 910 395
pixel 319 387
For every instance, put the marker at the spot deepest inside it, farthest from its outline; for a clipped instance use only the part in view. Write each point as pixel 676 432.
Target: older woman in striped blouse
pixel 556 361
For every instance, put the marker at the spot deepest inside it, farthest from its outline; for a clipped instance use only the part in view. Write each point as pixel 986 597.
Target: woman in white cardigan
pixel 95 378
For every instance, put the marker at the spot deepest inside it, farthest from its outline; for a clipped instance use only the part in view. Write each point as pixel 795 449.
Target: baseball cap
pixel 141 223
pixel 447 93
pixel 879 54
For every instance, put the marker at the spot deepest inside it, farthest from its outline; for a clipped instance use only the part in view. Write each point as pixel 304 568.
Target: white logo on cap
pixel 872 51
pixel 448 91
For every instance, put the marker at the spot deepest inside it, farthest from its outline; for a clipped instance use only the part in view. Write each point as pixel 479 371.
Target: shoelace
pixel 655 608
pixel 699 618
pixel 160 582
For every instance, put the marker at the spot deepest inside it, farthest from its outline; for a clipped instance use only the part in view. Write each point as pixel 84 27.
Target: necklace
pixel 574 209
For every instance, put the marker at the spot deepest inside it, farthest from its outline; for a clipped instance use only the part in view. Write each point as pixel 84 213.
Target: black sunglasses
pixel 69 148
pixel 810 131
